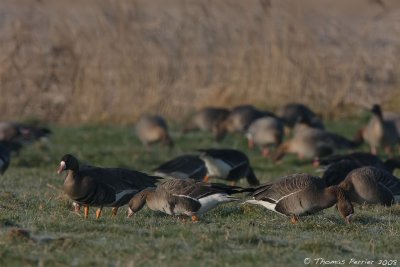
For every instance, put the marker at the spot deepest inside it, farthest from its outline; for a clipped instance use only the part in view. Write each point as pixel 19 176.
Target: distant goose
pixel 300 195
pixel 313 143
pixel 240 119
pixel 183 197
pixel 372 186
pixel 380 133
pixel 265 132
pixel 153 129
pixel 293 112
pixel 228 164
pixel 182 167
pixel 102 187
pixel 5 157
pixel 208 119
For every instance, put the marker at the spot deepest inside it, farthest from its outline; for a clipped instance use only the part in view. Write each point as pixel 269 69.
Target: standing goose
pixel 183 197
pixel 300 195
pixel 372 186
pixel 228 164
pixel 380 133
pixel 182 167
pixel 4 157
pixel 265 132
pixel 153 129
pixel 102 187
pixel 208 119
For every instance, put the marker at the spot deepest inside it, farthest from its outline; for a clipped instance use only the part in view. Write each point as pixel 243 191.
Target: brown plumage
pixel 300 195
pixel 153 129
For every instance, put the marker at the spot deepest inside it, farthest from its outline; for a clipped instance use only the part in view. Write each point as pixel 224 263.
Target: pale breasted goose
pixel 300 195
pixel 293 112
pixel 207 119
pixel 183 197
pixel 265 132
pixel 5 157
pixel 240 119
pixel 102 187
pixel 380 133
pixel 371 185
pixel 309 142
pixel 182 167
pixel 228 164
pixel 153 129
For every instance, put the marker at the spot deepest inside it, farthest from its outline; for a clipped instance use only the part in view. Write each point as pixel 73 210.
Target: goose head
pixel 68 162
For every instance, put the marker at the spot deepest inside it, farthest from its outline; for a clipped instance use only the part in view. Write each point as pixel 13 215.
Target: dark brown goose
pixel 300 195
pixel 102 187
pixel 182 167
pixel 265 132
pixel 207 119
pixel 183 197
pixel 372 186
pixel 228 164
pixel 5 157
pixel 294 112
pixel 153 129
pixel 380 133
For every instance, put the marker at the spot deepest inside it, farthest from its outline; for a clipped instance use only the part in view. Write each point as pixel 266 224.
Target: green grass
pixel 231 235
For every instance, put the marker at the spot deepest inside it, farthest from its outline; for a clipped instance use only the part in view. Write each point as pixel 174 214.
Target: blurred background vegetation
pixel 108 61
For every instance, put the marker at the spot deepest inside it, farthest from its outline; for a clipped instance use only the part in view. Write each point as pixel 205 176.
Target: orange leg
pixel 195 218
pixel 86 211
pixel 114 211
pixel 206 178
pixel 294 219
pixel 98 212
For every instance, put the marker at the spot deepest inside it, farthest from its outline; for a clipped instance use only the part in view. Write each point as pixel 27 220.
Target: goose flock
pixel 181 186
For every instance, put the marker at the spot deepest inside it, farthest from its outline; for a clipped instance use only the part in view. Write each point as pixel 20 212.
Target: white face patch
pixel 63 165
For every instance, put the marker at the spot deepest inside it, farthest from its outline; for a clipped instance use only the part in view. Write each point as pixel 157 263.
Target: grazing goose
pixel 380 133
pixel 182 167
pixel 309 142
pixel 102 187
pixel 300 195
pixel 293 112
pixel 4 157
pixel 265 132
pixel 240 119
pixel 153 129
pixel 228 164
pixel 208 119
pixel 372 186
pixel 183 197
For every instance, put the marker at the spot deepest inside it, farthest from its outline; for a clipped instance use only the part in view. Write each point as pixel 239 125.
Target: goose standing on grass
pixel 153 129
pixel 183 197
pixel 5 157
pixel 380 133
pixel 265 132
pixel 207 119
pixel 228 164
pixel 300 195
pixel 371 185
pixel 102 187
pixel 182 167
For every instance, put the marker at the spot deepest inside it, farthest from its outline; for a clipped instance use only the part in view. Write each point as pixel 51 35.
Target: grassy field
pixel 231 235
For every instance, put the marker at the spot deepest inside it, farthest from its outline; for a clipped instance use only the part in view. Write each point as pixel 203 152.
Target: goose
pixel 371 185
pixel 207 119
pixel 228 164
pixel 240 119
pixel 153 129
pixel 101 187
pixel 5 157
pixel 183 197
pixel 380 133
pixel 265 132
pixel 293 112
pixel 182 167
pixel 309 142
pixel 301 194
